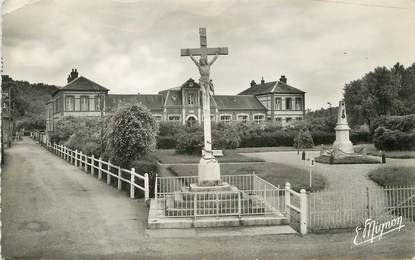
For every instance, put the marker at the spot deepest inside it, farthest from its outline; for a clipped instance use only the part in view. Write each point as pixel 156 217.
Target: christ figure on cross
pixel 204 70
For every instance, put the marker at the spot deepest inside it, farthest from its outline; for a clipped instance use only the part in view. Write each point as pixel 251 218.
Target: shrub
pixel 386 139
pixel 225 138
pixel 323 137
pixel 360 137
pixel 303 139
pixel 170 129
pixel 166 142
pixel 131 135
pixel 401 123
pixel 268 139
pixel 190 143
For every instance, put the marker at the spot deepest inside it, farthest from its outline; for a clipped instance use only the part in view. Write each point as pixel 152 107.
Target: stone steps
pixel 179 212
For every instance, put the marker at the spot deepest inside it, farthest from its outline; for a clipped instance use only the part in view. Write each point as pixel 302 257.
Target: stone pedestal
pixel 342 145
pixel 208 171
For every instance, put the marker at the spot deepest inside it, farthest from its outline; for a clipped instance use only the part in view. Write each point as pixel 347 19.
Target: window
pixel 288 104
pixel 266 101
pixel 243 118
pixel 278 121
pixel 97 103
pixel 174 118
pixel 298 118
pixel 84 103
pixel 225 118
pixel 278 103
pixel 157 118
pixel 258 118
pixel 298 104
pixel 288 120
pixel 69 103
pixel 190 99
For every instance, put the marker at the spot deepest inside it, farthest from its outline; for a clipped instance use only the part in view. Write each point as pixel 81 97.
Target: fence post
pixel 155 190
pixel 109 170
pixel 81 155
pixel 132 187
pixel 86 163
pixel 119 178
pixel 76 157
pixel 303 213
pixel 99 168
pixel 287 199
pixel 146 187
pixel 239 205
pixel 92 164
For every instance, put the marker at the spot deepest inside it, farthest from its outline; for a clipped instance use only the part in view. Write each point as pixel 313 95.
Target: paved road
pixel 51 210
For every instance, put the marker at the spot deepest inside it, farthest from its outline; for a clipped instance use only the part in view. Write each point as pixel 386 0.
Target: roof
pixel 245 102
pixel 268 87
pixel 190 83
pixel 152 102
pixel 82 84
pixel 173 98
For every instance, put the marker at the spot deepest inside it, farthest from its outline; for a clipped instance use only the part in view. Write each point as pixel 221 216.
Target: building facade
pixel 274 101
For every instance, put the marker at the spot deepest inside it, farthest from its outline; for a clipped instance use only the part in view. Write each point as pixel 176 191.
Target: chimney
pixel 262 80
pixel 73 75
pixel 253 83
pixel 283 79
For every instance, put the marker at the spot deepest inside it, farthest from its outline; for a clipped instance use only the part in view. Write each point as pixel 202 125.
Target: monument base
pixel 343 147
pixel 224 186
pixel 209 171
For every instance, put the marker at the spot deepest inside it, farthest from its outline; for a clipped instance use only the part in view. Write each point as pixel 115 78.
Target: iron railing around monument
pixel 250 195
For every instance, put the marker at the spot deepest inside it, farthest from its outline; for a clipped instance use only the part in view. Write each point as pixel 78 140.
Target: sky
pixel 133 46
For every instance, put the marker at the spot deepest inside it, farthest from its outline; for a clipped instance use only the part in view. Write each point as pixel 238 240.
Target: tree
pixel 374 95
pixel 303 139
pixel 130 135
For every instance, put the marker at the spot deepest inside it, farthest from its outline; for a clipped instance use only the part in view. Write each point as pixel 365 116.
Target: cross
pixel 204 51
pixel 204 81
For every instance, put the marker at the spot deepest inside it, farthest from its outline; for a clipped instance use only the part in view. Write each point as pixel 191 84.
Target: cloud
pixel 133 46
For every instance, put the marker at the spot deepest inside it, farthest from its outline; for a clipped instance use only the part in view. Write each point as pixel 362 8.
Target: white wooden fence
pixel 97 166
pixel 296 208
pixel 349 208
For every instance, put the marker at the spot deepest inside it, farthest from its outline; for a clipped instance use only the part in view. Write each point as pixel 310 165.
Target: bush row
pixel 387 139
pixel 401 123
pixel 240 135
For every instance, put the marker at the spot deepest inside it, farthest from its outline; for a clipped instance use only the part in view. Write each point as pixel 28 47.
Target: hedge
pixel 166 142
pixel 387 139
pixel 401 123
pixel 323 137
pixel 268 139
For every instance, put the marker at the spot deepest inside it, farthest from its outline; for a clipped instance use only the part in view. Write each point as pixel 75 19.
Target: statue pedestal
pixel 342 143
pixel 209 170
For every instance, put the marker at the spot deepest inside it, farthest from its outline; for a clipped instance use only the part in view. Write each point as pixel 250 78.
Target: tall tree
pixel 374 95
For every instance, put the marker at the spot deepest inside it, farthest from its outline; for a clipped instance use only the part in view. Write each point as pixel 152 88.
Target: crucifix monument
pixel 208 170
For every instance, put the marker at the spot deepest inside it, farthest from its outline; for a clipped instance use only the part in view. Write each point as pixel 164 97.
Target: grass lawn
pixel 277 174
pixel 371 150
pixel 170 156
pixel 346 160
pixel 273 149
pixel 393 176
